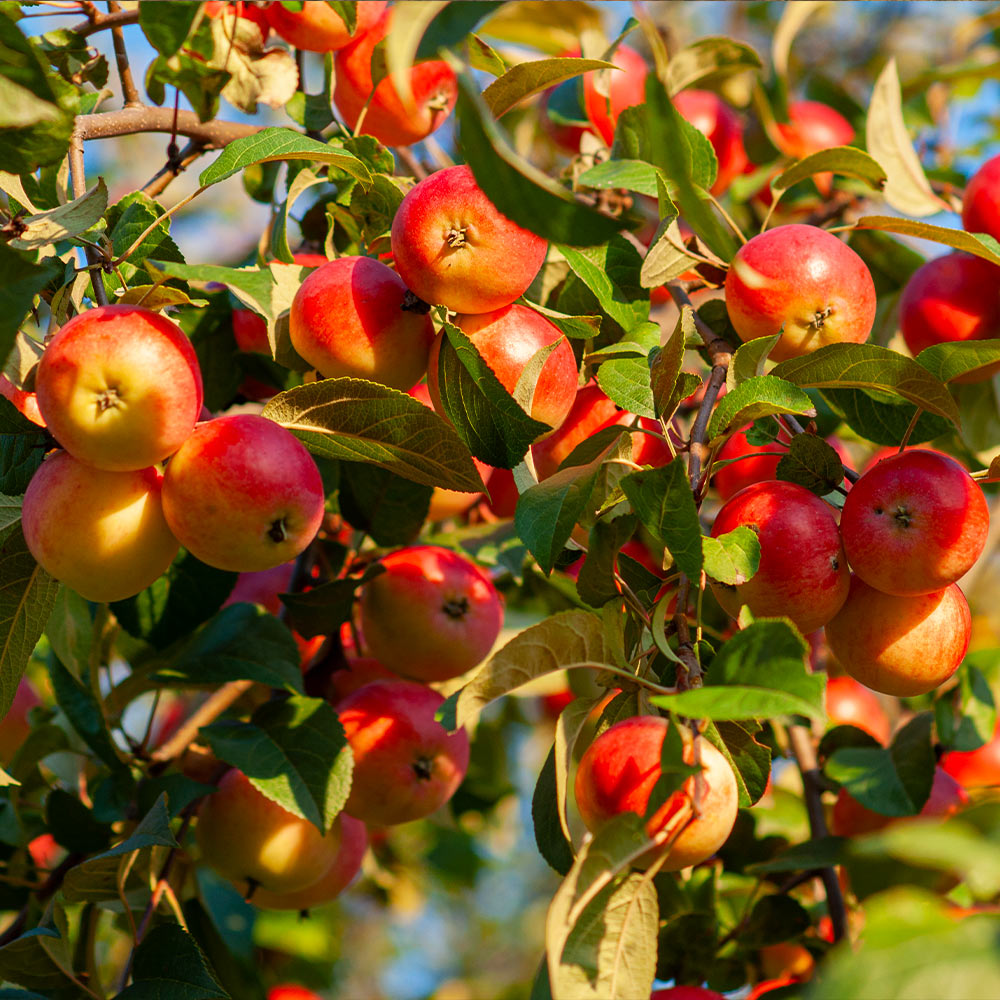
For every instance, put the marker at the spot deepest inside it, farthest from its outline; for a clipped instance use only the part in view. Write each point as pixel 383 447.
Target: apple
pixel 405 763
pixel 45 852
pixel 286 992
pixel 626 87
pixel 787 960
pixel 386 117
pixel 685 993
pixel 352 317
pixel 902 646
pixel 508 338
pixel 248 11
pixel 617 773
pixel 318 28
pixel 119 387
pixel 849 703
pixel 755 468
pixel 503 494
pixel 101 533
pixel 950 299
pixel 766 986
pixel 721 125
pixel 254 842
pixel 432 615
pixel 243 494
pixel 452 246
pixel 813 126
pixel 262 587
pixel 979 768
pixel 804 283
pixel 353 839
pixel 803 571
pixel 25 402
pixel 980 205
pixel 914 523
pixel 360 670
pixel 14 726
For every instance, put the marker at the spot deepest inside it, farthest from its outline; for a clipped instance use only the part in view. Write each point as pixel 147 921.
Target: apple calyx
pixel 439 101
pixel 423 768
pixel 109 399
pixel 277 532
pixel 820 317
pixel 456 607
pixel 455 238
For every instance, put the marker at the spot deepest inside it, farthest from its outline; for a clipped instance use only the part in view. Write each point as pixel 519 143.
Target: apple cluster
pixel 120 390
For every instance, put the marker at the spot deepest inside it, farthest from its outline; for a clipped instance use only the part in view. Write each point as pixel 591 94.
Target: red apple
pixel 248 11
pixel 386 117
pixel 14 726
pixel 803 571
pixel 291 993
pixel 433 614
pixel 626 87
pixel 101 533
pixel 502 492
pixel 453 247
pixel 813 126
pixel 803 282
pixel 25 402
pixel 243 494
pixel 849 703
pixel 360 670
pixel 617 773
pixel 766 986
pixel 119 387
pixel 708 113
pixel 980 205
pixel 914 523
pixel 902 646
pixel 45 852
pixel 318 28
pixel 508 338
pixel 685 993
pixel 352 317
pixel 405 764
pixel 262 587
pixel 760 468
pixel 978 768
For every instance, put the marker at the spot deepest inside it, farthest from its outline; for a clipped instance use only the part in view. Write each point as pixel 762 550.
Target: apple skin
pixel 708 113
pixel 980 204
pixel 316 28
pixel 432 615
pixel 811 127
pixel 101 533
pixel 730 479
pixel 849 703
pixel 360 670
pixel 508 338
pixel 25 402
pixel 627 87
pixel 617 773
pixel 253 841
pixel 952 299
pixel 248 11
pixel 803 279
pixel 119 387
pixel 387 118
pixel 978 768
pixel 291 993
pixel 914 523
pixel 353 838
pixel 787 960
pixel 262 587
pixel 452 246
pixel 903 646
pixel 406 765
pixel 14 726
pixel 243 494
pixel 803 571
pixel 685 993
pixel 350 318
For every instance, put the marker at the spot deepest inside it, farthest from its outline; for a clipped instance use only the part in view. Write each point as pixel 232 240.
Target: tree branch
pixel 92 25
pixel 129 91
pixel 212 134
pixel 175 166
pixel 79 181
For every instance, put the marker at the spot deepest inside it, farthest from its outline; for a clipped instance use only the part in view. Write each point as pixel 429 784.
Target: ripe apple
pixel 685 993
pixel 949 299
pixel 813 126
pixel 849 703
pixel 262 587
pixel 14 726
pixel 352 317
pixel 317 28
pixel 787 960
pixel 760 468
pixel 708 113
pixel 766 986
pixel 253 841
pixel 45 852
pixel 25 402
pixel 353 839
pixel 803 282
pixel 803 571
pixel 617 773
pixel 626 88
pixel 119 387
pixel 248 11
pixel 914 523
pixel 360 670
pixel 902 646
pixel 502 492
pixel 101 533
pixel 453 247
pixel 387 118
pixel 433 614
pixel 405 764
pixel 978 768
pixel 980 205
pixel 243 494
pixel 508 338
pixel 291 993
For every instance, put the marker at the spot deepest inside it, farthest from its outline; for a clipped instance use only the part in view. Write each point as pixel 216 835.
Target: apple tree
pixel 590 445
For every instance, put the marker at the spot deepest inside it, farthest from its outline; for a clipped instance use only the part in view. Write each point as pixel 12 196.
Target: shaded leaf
pixel 975 243
pixel 950 361
pixel 550 839
pixel 374 500
pixel 168 962
pixel 847 160
pixel 527 78
pixel 67 220
pixel 812 463
pixel 706 57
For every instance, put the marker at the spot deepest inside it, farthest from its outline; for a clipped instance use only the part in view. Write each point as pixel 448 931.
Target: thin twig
pixel 411 163
pixel 99 23
pixel 129 91
pixel 79 181
pixel 719 351
pixel 159 182
pixel 207 712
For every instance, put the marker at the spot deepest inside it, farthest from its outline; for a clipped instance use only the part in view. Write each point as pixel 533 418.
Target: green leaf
pixel 750 760
pixel 67 220
pixel 168 962
pixel 359 421
pixel 550 839
pixel 167 25
pixel 870 775
pixel 663 501
pixel 811 463
pixel 27 960
pixel 748 361
pixel 950 361
pixel 390 509
pixel 667 257
pixel 10 515
pixel 281 144
pixel 527 78
pixel 709 57
pixel 611 272
pixel 881 422
pixel 23 280
pixel 27 596
pixel 821 852
pixel 632 175
pixel 487 418
pixel 564 641
pixel 774 919
pixel 70 630
pixel 907 189
pixel 756 397
pixel 627 382
pixel 199 81
pixel 241 642
pixel 322 610
pixel 847 160
pixel 793 17
pixel 975 243
pixel 73 825
pixel 733 557
pixel 295 752
pixel 128 219
pixel 665 367
pixel 913 755
pixel 522 192
pixel 869 367
pixel 596 583
pixel 451 25
pixel 966 717
pixel 313 112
